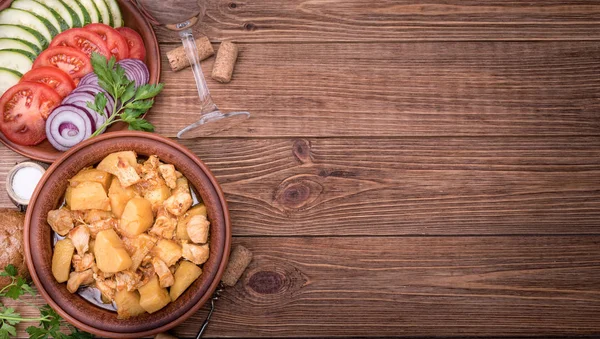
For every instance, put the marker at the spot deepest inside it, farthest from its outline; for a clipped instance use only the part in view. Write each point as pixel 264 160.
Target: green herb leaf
pixel 134 101
pixel 8 330
pixel 148 91
pixel 9 271
pixel 141 125
pixel 37 333
pixel 129 92
pixel 8 315
pixel 143 105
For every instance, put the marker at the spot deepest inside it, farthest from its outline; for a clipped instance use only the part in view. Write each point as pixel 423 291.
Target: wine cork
pixel 165 336
pixel 226 57
pixel 238 261
pixel 178 59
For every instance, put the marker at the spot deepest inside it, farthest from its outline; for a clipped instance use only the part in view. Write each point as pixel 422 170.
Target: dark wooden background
pixel 411 168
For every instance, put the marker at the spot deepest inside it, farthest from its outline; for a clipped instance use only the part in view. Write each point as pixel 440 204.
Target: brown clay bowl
pixel 49 195
pixel 132 18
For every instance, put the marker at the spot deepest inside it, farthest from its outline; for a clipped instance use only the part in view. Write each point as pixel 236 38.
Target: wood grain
pixel 399 20
pixel 404 186
pixel 398 89
pixel 412 287
pixel 409 286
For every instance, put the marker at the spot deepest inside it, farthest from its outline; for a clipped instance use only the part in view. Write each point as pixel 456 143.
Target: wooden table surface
pixel 411 168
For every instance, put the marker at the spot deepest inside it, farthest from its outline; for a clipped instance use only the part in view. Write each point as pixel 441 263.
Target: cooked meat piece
pixel 126 173
pixel 181 185
pixel 147 260
pixel 127 280
pixel 198 254
pixel 80 236
pixel 77 279
pixel 178 203
pixel 164 224
pixel 165 277
pixel 168 174
pixel 91 216
pixel 83 262
pixel 138 248
pixel 197 229
pixel 100 274
pixel 61 221
pixel 147 272
pixel 107 287
pixel 101 225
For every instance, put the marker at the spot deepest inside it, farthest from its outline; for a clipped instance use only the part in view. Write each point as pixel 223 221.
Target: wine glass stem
pixel 189 44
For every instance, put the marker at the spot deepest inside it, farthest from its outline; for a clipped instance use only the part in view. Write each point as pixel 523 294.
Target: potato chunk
pixel 183 221
pixel 123 165
pixel 168 251
pixel 153 297
pixel 128 304
pixel 119 196
pixel 89 195
pixel 137 217
pixel 61 259
pixel 110 254
pixel 185 275
pixel 92 174
pixel 109 163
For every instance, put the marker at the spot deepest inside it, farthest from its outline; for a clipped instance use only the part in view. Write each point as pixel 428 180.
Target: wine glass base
pixel 212 123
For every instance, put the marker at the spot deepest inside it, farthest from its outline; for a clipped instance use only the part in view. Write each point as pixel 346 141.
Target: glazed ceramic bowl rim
pixel 192 307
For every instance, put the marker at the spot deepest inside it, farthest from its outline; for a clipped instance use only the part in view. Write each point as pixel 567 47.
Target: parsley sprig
pixel 131 101
pixel 49 321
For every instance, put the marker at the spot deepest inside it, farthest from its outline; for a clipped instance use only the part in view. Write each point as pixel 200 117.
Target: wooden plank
pixel 405 186
pixel 480 286
pixel 398 89
pixel 399 20
pixel 409 286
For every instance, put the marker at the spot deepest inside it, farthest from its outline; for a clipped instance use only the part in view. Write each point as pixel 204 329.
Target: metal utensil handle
pixel 214 298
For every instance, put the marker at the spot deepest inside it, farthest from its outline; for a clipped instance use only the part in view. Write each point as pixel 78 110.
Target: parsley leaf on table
pixel 49 321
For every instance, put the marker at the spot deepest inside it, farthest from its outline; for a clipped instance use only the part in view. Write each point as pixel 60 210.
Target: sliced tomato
pixel 60 81
pixel 23 112
pixel 82 39
pixel 117 45
pixel 68 59
pixel 137 50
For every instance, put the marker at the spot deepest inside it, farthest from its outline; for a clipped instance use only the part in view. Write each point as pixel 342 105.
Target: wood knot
pixel 232 5
pixel 301 151
pixel 266 282
pixel 249 26
pixel 297 193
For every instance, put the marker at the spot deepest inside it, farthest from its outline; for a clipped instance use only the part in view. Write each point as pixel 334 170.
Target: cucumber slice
pixel 90 7
pixel 8 78
pixel 105 16
pixel 82 14
pixel 39 10
pixel 23 34
pixel 8 43
pixel 11 16
pixel 66 14
pixel 15 60
pixel 30 55
pixel 115 11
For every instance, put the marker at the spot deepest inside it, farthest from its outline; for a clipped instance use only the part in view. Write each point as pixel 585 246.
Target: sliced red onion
pixel 81 99
pixel 68 125
pixel 89 79
pixel 135 70
pixel 95 89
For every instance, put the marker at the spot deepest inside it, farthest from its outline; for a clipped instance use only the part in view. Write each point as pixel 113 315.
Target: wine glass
pixel 212 120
